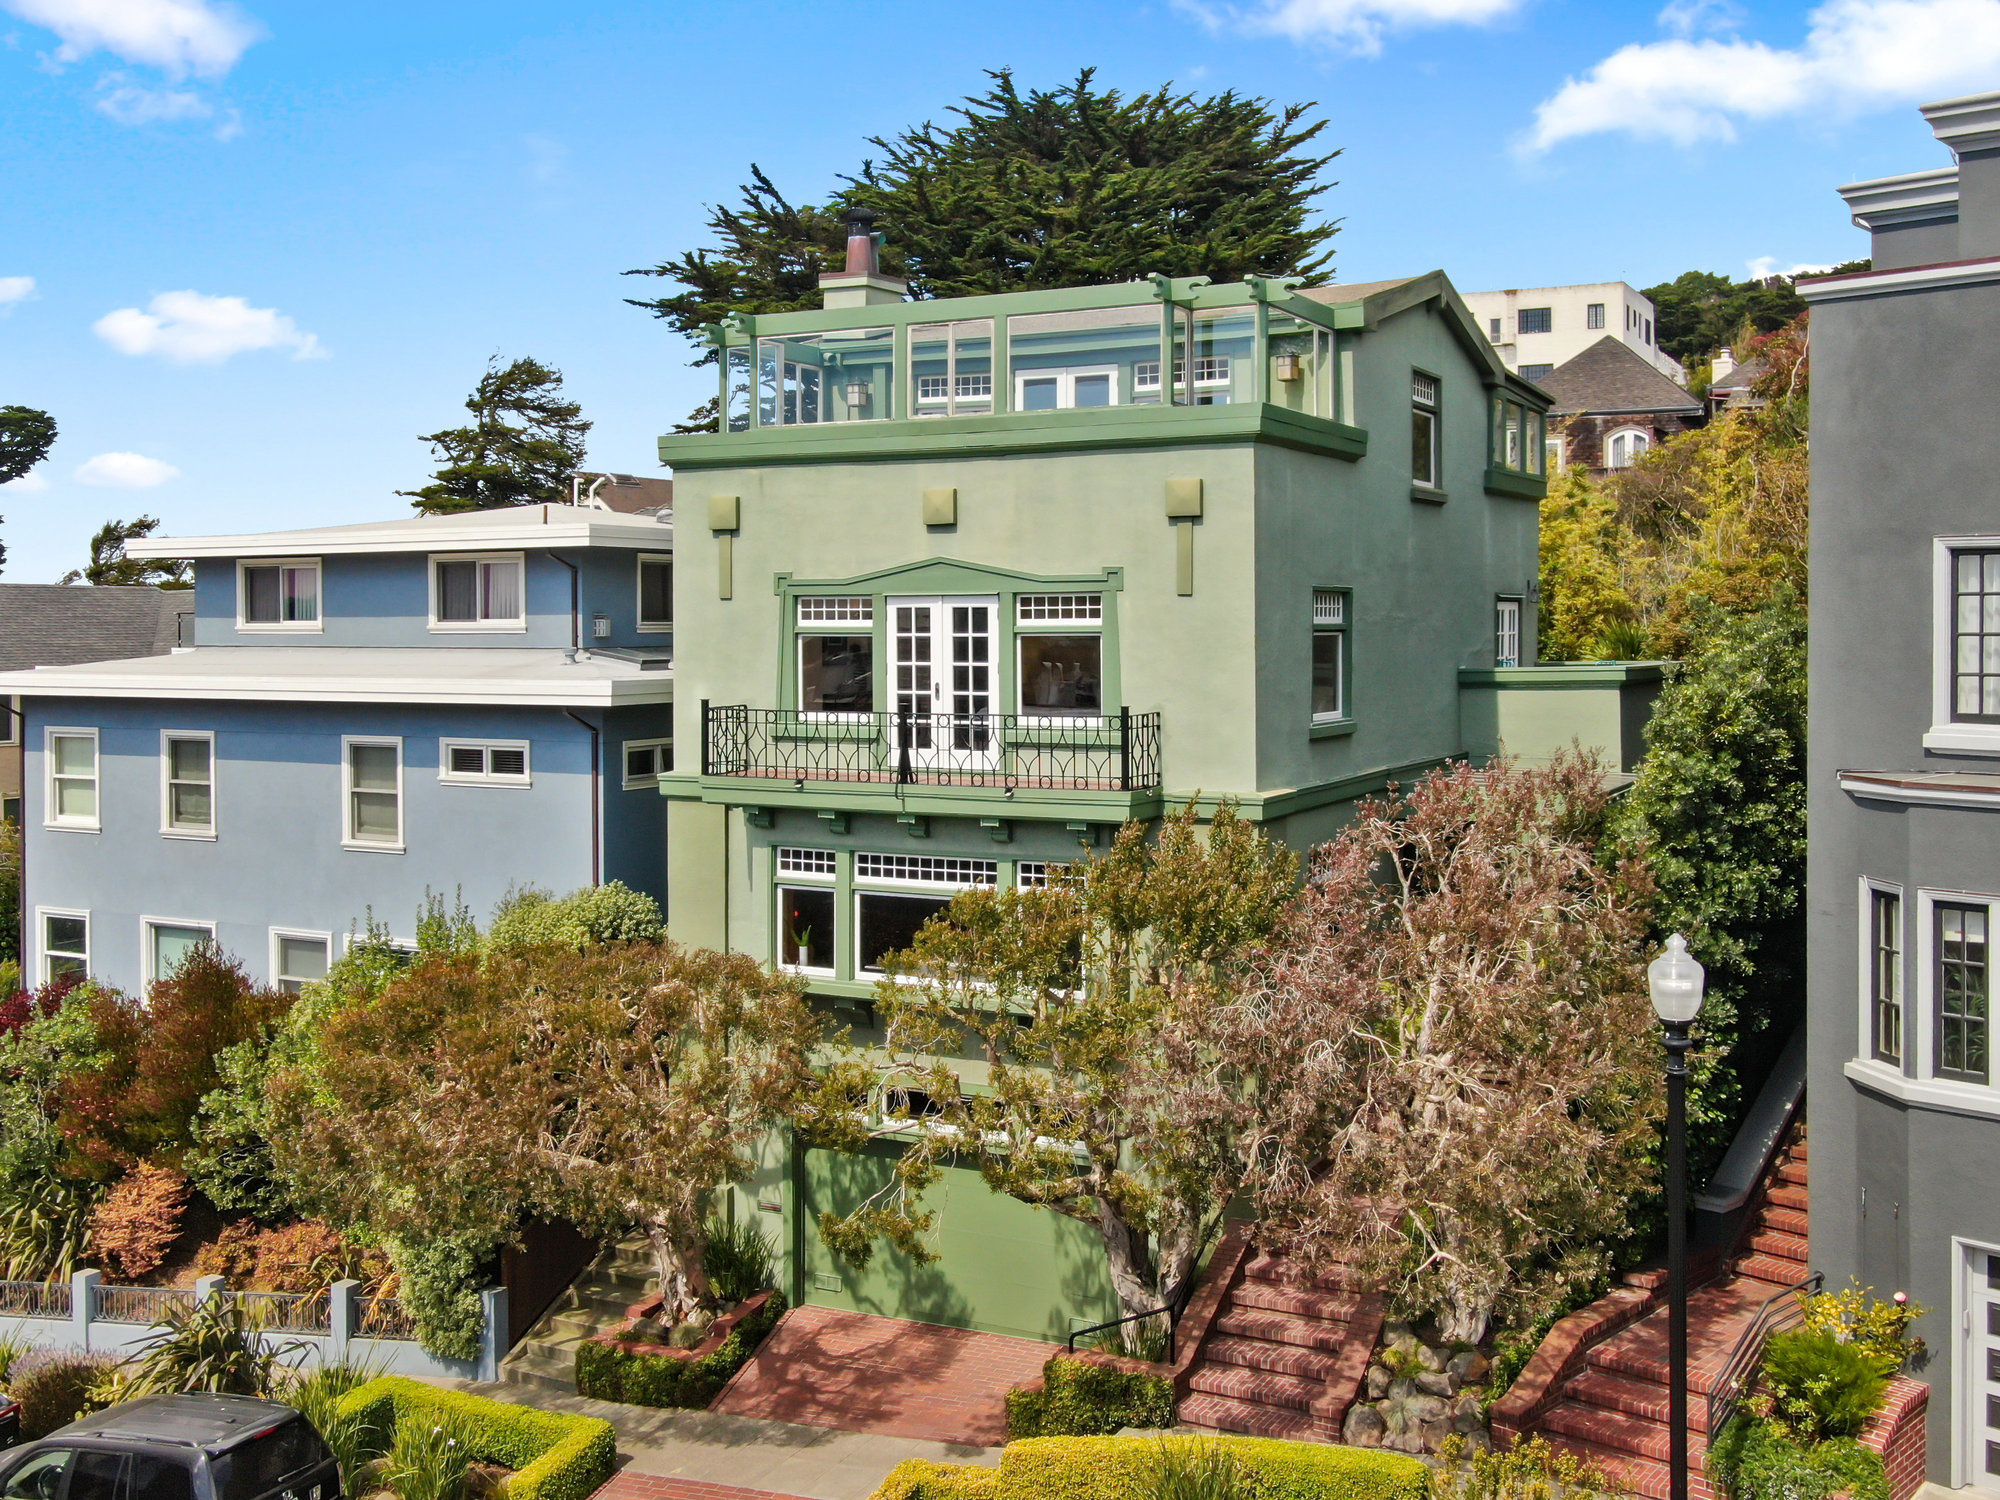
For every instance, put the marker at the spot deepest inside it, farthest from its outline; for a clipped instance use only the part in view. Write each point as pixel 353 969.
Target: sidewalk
pixel 694 1454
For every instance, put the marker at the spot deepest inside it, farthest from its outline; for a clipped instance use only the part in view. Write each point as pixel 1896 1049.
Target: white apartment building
pixel 1534 329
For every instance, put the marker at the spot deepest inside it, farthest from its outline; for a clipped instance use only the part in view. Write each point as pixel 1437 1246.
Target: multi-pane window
pixel 1061 645
pixel 1423 428
pixel 1593 315
pixel 1518 437
pixel 477 591
pixel 1329 655
pixel 298 959
pixel 805 909
pixel 656 593
pixel 65 945
pixel 888 921
pixel 1975 636
pixel 1493 329
pixel 1535 320
pixel 502 763
pixel 951 366
pixel 374 776
pixel 279 594
pixel 1885 975
pixel 1537 372
pixel 1962 991
pixel 837 654
pixel 647 760
pixel 72 758
pixel 1626 447
pixel 189 793
pixel 1507 633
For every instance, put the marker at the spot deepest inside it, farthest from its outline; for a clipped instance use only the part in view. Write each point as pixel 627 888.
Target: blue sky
pixel 366 201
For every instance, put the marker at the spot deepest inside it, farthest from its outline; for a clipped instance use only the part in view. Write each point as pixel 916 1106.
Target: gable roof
pixel 1379 300
pixel 1742 377
pixel 60 625
pixel 1610 376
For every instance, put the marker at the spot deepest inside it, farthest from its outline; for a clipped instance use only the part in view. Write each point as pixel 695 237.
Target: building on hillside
pixel 1611 406
pixel 1536 329
pixel 449 705
pixel 1904 773
pixel 967 584
pixel 1732 386
pixel 55 625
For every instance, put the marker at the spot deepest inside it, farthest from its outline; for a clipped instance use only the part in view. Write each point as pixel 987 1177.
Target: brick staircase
pixel 1283 1355
pixel 1614 1411
pixel 622 1274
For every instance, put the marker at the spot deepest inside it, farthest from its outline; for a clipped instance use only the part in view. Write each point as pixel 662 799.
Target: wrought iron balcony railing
pixel 1112 752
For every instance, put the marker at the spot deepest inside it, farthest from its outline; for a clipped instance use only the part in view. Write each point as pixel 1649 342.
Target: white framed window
pixel 1593 315
pixel 1493 330
pixel 371 777
pixel 187 783
pixel 1626 447
pixel 1507 632
pixel 646 761
pixel 808 864
pixel 299 957
pixel 1059 643
pixel 1959 971
pixel 1064 390
pixel 656 593
pixel 478 591
pixel 806 910
pixel 836 654
pixel 483 762
pixel 1424 453
pixel 1039 874
pixel 1329 655
pixel 1965 645
pixel 72 778
pixel 1882 947
pixel 65 943
pixel 166 941
pixel 887 920
pixel 280 594
pixel 1034 609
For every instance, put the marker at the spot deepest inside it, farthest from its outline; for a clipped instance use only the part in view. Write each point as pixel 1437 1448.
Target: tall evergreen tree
pixel 110 565
pixel 26 435
pixel 524 443
pixel 1071 186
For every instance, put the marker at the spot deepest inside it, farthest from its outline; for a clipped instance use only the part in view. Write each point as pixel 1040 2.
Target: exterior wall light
pixel 1288 367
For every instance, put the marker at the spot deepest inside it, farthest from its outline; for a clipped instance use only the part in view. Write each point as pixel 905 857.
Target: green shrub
pixel 1819 1387
pixel 442 1279
pixel 1082 1398
pixel 1195 1471
pixel 1756 1460
pixel 920 1479
pixel 738 1259
pixel 429 1458
pixel 555 1456
pixel 319 1394
pixel 212 1345
pixel 611 913
pixel 611 1374
pixel 1114 1468
pixel 53 1387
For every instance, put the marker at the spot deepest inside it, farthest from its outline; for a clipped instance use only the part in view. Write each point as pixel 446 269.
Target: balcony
pixel 1034 752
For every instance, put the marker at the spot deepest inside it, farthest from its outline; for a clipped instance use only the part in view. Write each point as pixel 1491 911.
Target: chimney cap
pixel 860 218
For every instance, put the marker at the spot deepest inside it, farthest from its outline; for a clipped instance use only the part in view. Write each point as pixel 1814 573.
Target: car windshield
pixel 263 1463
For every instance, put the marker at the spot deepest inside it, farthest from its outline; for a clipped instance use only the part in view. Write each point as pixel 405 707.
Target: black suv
pixel 194 1447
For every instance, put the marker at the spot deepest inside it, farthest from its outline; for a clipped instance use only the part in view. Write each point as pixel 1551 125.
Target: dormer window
pixel 277 595
pixel 477 593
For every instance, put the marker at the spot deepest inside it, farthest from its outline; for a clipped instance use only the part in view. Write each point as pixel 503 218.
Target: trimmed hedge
pixel 1082 1398
pixel 555 1457
pixel 611 1374
pixel 1115 1468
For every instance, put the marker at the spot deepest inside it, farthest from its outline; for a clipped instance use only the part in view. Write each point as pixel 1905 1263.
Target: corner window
pixel 1593 315
pixel 836 636
pixel 1626 447
pixel 65 945
pixel 1535 320
pixel 844 376
pixel 656 593
pixel 1329 655
pixel 187 796
pixel 168 943
pixel 72 790
pixel 477 593
pixel 1424 429
pixel 298 958
pixel 1519 437
pixel 1975 636
pixel 646 761
pixel 1507 633
pixel 484 762
pixel 278 595
pixel 888 920
pixel 1960 980
pixel 373 773
pixel 1061 645
pixel 1885 975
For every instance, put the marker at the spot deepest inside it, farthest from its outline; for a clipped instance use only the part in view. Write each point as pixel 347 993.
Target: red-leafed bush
pixel 307 1256
pixel 23 1006
pixel 135 1226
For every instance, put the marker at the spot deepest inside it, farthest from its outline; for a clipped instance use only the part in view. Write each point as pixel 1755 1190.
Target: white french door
pixel 1979 1368
pixel 942 652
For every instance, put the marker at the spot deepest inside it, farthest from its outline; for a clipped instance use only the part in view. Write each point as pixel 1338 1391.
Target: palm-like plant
pixel 212 1345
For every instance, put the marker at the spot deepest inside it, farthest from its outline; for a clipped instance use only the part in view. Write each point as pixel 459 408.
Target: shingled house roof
pixel 1610 377
pixel 60 625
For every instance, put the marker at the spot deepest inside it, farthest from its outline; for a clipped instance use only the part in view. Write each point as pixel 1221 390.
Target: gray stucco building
pixel 1904 886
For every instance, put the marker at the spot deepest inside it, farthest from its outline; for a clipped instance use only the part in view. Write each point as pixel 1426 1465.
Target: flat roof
pixel 516 526
pixel 361 674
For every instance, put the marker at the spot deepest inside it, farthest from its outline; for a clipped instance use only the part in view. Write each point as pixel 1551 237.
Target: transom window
pixel 498 763
pixel 189 793
pixel 646 761
pixel 656 593
pixel 926 869
pixel 65 945
pixel 278 595
pixel 1329 655
pixel 1885 975
pixel 1975 636
pixel 818 864
pixel 1033 608
pixel 477 592
pixel 843 609
pixel 1962 980
pixel 1424 466
pixel 373 771
pixel 72 758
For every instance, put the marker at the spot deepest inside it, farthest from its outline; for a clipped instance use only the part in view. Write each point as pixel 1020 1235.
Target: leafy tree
pixel 524 443
pixel 26 435
pixel 1719 816
pixel 110 566
pixel 616 1087
pixel 1099 1007
pixel 1699 312
pixel 1458 1059
pixel 1585 596
pixel 1071 186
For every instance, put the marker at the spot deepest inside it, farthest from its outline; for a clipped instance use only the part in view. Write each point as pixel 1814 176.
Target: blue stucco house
pixel 456 704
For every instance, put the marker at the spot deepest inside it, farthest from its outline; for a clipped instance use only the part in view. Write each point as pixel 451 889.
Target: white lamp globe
pixel 1676 982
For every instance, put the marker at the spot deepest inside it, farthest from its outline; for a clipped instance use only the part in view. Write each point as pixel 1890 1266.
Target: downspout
pixel 596 803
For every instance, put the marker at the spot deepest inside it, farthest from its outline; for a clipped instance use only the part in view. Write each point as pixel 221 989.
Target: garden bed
pixel 643 1370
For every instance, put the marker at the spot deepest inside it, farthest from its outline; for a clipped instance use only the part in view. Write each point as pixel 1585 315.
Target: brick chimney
pixel 861 283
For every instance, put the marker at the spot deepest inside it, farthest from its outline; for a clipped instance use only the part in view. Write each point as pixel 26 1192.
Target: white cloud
pixel 179 37
pixel 15 289
pixel 131 103
pixel 1770 265
pixel 1356 25
pixel 1857 54
pixel 125 471
pixel 193 328
pixel 30 483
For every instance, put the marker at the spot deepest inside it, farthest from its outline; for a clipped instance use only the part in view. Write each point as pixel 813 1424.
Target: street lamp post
pixel 1675 980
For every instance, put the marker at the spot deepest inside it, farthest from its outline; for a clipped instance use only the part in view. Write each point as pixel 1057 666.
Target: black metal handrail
pixel 1172 1316
pixel 1782 1310
pixel 1116 752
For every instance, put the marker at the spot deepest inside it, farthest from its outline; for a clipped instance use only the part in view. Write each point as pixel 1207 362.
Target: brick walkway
pixel 826 1368
pixel 666 1487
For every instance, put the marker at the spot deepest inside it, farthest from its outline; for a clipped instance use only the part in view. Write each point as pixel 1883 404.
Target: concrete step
pixel 1785 1196
pixel 1634 1397
pixel 1266 1387
pixel 537 1379
pixel 1282 1328
pixel 1780 1245
pixel 1261 1354
pixel 1328 1307
pixel 1618 1431
pixel 1223 1414
pixel 1281 1271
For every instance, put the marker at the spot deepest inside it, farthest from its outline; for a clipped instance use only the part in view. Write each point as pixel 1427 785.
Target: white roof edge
pixel 602 692
pixel 1916 279
pixel 1883 201
pixel 517 526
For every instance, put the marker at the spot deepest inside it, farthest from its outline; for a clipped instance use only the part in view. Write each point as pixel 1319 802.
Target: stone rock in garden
pixel 1434 1434
pixel 1394 1332
pixel 648 1331
pixel 687 1335
pixel 1431 1359
pixel 1401 1389
pixel 1378 1382
pixel 1437 1383
pixel 1479 1440
pixel 1469 1365
pixel 1428 1408
pixel 1364 1427
pixel 1408 1441
pixel 1465 1415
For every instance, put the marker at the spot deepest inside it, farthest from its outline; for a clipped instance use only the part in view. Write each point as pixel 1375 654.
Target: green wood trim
pixel 1264 806
pixel 1582 674
pixel 1514 485
pixel 1331 730
pixel 1428 495
pixel 1053 804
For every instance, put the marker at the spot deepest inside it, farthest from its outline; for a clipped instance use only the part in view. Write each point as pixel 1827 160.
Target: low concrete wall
pixel 1533 713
